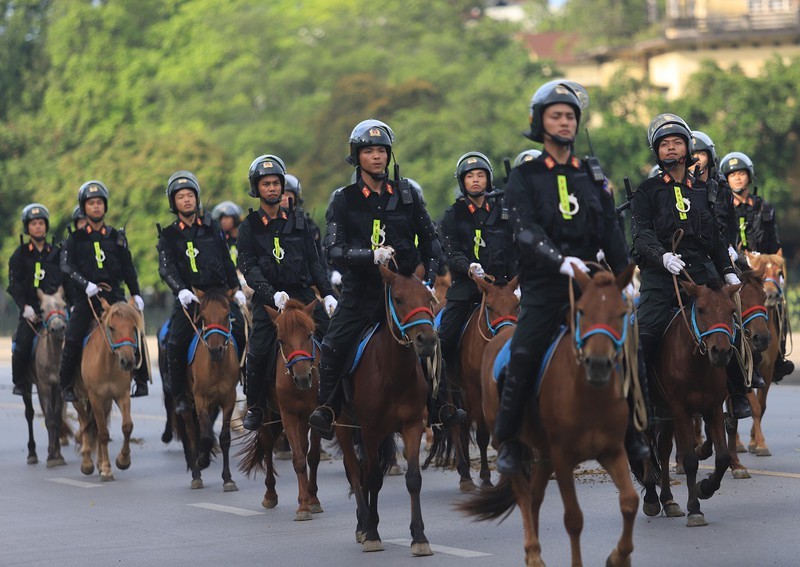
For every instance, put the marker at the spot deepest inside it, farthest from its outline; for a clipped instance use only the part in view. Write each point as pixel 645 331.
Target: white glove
pixel 336 277
pixel 476 269
pixel 431 289
pixel 382 255
pixel 185 296
pixel 673 263
pixel 137 299
pixel 629 291
pixel 280 298
pixel 601 255
pixel 732 253
pixel 518 292
pixel 566 266
pixel 239 298
pixel 29 313
pixel 732 279
pixel 781 281
pixel 92 289
pixel 330 304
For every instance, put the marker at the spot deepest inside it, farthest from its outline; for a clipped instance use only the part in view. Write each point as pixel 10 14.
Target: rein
pixel 402 326
pixel 100 323
pixel 497 324
pixel 676 239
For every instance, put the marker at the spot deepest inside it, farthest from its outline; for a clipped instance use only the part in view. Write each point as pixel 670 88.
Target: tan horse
pixel 212 377
pixel 109 359
pixel 582 414
pixel 295 393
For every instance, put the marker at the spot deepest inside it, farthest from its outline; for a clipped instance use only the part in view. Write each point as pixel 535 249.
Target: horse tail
pixel 491 502
pixel 442 452
pixel 387 454
pixel 637 466
pixel 253 453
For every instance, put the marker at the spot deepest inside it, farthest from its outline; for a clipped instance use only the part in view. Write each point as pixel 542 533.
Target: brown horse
pixel 211 378
pixel 109 359
pixel 44 374
pixel 389 395
pixel 689 379
pixel 581 414
pixel 295 393
pixel 498 309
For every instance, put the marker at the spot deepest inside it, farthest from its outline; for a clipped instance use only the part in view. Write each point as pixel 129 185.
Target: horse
pixel 498 309
pixel 44 374
pixel 212 377
pixel 388 394
pixel 581 413
pixel 295 393
pixel 689 378
pixel 109 359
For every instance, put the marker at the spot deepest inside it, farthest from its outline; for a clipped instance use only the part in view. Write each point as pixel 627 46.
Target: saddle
pixel 504 356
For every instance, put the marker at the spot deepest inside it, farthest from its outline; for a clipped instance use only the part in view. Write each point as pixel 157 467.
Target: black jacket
pixel 30 270
pixel 99 256
pixel 756 226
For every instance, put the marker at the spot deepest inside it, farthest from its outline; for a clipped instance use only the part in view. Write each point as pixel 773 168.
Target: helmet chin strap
pixel 96 219
pixel 560 140
pixel 739 191
pixel 476 194
pixel 272 202
pixel 39 238
pixel 376 176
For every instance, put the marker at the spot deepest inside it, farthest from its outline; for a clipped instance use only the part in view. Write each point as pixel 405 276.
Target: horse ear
pixel 104 304
pixel 420 272
pixel 40 294
pixel 131 301
pixel 581 277
pixel 310 307
pixel 690 288
pixel 60 291
pixel 387 274
pixel 199 293
pixel 482 284
pixel 626 276
pixel 780 252
pixel 732 290
pixel 272 312
pixel 514 282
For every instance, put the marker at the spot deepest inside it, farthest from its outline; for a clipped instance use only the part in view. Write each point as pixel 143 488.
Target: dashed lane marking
pixel 442 549
pixel 75 483
pixel 227 509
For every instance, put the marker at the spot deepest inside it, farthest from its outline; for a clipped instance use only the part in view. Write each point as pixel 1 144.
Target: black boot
pixel 509 417
pixel 737 388
pixel 140 377
pixel 635 441
pixel 322 418
pixel 253 418
pixel 446 411
pixel 177 374
pixel 740 405
pixel 253 388
pixel 70 358
pixel 783 367
pixel 18 372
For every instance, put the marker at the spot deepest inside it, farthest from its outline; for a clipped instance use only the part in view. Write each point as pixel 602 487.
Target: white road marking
pixel 227 509
pixel 441 549
pixel 75 483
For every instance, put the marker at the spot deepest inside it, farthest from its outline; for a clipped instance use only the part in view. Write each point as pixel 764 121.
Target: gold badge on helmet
pixel 472 160
pixel 183 180
pixel 93 188
pixel 267 165
pixel 35 211
pixel 374 132
pixel 561 89
pixel 734 161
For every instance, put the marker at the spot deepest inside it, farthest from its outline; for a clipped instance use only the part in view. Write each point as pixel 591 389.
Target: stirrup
pixel 322 424
pixel 458 415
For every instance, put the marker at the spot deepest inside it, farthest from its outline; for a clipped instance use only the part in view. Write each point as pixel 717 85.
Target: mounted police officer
pixel 674 200
pixel 96 259
pixel 33 267
pixel 228 215
pixel 562 213
pixel 293 197
pixel 526 155
pixel 369 222
pixel 477 239
pixel 192 255
pixel 79 219
pixel 279 260
pixel 756 226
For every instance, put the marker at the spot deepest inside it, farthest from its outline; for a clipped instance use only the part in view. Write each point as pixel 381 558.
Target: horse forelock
pixel 714 284
pixel 295 317
pixel 751 277
pixel 214 295
pixel 124 310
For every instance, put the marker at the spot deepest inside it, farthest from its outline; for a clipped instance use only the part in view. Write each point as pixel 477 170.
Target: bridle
pixel 300 355
pixel 406 322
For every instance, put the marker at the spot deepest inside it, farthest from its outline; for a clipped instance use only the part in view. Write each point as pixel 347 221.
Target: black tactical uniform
pixel 30 270
pixel 229 209
pixel 192 257
pixel 100 257
pixel 276 254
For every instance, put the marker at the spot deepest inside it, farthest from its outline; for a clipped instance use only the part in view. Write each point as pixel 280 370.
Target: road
pixel 150 516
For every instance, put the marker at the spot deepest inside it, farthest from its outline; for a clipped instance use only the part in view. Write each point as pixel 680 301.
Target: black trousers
pixel 21 356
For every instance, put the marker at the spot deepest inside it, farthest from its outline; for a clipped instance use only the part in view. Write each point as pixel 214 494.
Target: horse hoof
pixel 739 474
pixel 303 516
pixel 316 508
pixel 106 477
pixel 33 460
pixel 651 508
pixel 123 464
pixel 269 503
pixel 673 510
pixel 740 448
pixel 230 486
pixel 421 549
pixel 87 469
pixel 696 520
pixel 395 470
pixel 615 559
pixel 324 456
pixel 166 437
pixel 467 486
pixel 370 546
pixel 197 483
pixel 763 452
pixel 57 462
pixel 359 537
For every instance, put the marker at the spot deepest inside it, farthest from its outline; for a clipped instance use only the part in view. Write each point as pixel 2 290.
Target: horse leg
pixel 205 435
pixel 460 435
pixel 482 437
pixel 684 437
pixel 671 508
pixel 709 485
pixel 29 414
pixel 412 437
pixel 738 470
pixel 123 461
pixel 86 437
pixel 53 420
pixel 189 440
pixel 374 482
pixel 617 468
pixel 101 410
pixel 353 471
pixel 313 464
pixel 573 517
pixel 298 442
pixel 228 485
pixel 169 407
pixel 530 495
pixel 270 499
pixel 758 444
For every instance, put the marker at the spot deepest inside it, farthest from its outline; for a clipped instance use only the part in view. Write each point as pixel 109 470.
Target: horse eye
pixel 489 307
pixel 111 328
pixel 399 301
pixel 701 310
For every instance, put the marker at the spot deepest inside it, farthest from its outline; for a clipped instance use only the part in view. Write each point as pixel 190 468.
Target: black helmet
pixel 416 187
pixel 267 164
pixel 35 211
pixel 77 214
pixel 367 133
pixel 665 125
pixel 182 179
pixel 736 161
pixel 553 92
pixel 655 171
pixel 470 161
pixel 701 142
pixel 227 209
pixel 293 186
pixel 527 155
pixel 90 190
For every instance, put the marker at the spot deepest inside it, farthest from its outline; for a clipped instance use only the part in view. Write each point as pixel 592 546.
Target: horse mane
pixel 294 316
pixel 213 295
pixel 603 279
pixel 750 277
pixel 125 309
pixel 714 284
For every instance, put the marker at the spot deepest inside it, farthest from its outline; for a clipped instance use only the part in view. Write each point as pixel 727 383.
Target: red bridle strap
pixel 509 318
pixel 426 310
pixel 754 309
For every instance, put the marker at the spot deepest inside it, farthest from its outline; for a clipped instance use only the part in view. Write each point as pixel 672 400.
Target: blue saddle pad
pixel 359 352
pixel 437 321
pixel 504 355
pixel 33 347
pixel 162 333
pixel 196 340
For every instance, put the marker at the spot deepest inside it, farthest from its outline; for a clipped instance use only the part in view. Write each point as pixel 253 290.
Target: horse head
pixel 215 316
pixel 408 306
pixel 500 304
pixel 773 266
pixel 54 311
pixel 123 325
pixel 713 314
pixel 754 310
pixel 298 347
pixel 601 321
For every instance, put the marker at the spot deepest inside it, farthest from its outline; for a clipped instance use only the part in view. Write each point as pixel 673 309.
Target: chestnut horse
pixel 295 393
pixel 689 379
pixel 581 413
pixel 388 395
pixel 110 356
pixel 44 374
pixel 498 309
pixel 211 378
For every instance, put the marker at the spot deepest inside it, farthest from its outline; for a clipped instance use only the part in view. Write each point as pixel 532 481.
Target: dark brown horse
pixel 582 414
pixel 211 378
pixel 689 378
pixel 389 395
pixel 295 393
pixel 498 309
